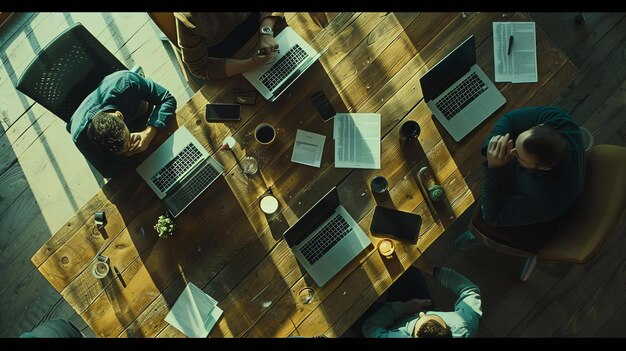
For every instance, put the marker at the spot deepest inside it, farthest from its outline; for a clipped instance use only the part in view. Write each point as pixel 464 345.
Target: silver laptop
pixel 295 56
pixel 179 170
pixel 459 93
pixel 326 238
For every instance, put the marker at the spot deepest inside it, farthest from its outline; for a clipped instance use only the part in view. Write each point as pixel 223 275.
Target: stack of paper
pixel 515 52
pixel 308 148
pixel 194 313
pixel 357 140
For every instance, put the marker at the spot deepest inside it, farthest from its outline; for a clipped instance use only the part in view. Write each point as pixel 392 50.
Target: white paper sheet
pixel 308 148
pixel 357 140
pixel 194 313
pixel 521 65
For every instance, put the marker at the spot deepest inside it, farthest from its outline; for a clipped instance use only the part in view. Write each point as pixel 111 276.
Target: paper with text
pixel 520 66
pixel 308 148
pixel 194 313
pixel 357 140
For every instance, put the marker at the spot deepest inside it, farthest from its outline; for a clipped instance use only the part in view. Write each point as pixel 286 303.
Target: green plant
pixel 165 226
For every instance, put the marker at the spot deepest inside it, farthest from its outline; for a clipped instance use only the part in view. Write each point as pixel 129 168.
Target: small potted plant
pixel 165 226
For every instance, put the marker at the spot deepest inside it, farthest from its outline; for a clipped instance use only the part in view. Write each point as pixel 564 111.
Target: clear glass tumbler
pixel 249 165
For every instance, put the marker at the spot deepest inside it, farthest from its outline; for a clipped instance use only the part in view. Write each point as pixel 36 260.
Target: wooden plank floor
pixel 44 180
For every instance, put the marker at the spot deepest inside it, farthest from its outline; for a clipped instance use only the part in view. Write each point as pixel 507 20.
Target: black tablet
pixel 399 225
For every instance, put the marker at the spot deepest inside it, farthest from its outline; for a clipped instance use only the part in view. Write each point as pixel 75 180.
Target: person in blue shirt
pixel 411 313
pixel 54 328
pixel 533 174
pixel 119 119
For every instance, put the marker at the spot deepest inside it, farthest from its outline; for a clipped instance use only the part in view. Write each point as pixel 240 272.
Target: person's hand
pixel 139 142
pixel 415 305
pixel 268 45
pixel 498 151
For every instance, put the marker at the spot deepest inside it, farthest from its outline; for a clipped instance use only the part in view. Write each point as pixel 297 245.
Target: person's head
pixel 108 130
pixel 540 147
pixel 431 326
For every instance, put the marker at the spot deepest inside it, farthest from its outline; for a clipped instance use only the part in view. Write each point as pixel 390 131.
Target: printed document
pixel 194 313
pixel 308 148
pixel 357 140
pixel 515 52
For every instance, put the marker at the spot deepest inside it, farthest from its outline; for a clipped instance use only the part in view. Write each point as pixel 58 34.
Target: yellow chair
pixel 599 210
pixel 167 24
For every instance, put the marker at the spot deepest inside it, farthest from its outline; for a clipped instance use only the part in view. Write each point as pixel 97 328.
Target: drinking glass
pixel 249 165
pixel 306 296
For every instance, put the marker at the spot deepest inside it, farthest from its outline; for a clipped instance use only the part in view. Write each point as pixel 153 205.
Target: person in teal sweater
pixel 410 318
pixel 119 119
pixel 534 172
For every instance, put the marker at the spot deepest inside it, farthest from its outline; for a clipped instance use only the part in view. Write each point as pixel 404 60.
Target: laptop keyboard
pixel 167 175
pixel 462 95
pixel 283 68
pixel 325 239
pixel 193 187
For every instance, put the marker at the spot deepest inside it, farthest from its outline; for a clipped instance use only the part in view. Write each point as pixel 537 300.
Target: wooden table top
pixel 226 246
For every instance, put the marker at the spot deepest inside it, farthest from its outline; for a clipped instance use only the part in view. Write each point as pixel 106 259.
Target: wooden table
pixel 225 245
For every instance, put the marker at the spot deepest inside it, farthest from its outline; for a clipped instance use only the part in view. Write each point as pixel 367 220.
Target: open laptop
pixel 179 170
pixel 459 93
pixel 326 238
pixel 295 57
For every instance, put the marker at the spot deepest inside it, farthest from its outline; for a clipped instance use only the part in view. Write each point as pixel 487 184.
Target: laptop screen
pixel 449 69
pixel 313 218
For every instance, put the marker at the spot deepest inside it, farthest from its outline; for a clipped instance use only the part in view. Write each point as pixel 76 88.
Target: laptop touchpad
pixel 341 253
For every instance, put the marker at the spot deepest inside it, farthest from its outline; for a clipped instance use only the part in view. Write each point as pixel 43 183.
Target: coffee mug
pixel 409 130
pixel 379 184
pixel 266 133
pixel 386 248
pixel 100 267
pixel 269 204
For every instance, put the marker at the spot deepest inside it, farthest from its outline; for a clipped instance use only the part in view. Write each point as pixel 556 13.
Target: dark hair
pixel 106 130
pixel 433 329
pixel 546 144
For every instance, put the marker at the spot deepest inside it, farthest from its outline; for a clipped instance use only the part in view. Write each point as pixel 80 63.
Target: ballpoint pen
pixel 119 275
pixel 264 52
pixel 510 44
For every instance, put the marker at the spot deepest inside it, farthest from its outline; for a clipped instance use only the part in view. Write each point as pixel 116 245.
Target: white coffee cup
pixel 269 204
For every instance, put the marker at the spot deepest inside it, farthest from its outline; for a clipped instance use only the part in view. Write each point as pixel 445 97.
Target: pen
pixel 510 44
pixel 263 51
pixel 119 275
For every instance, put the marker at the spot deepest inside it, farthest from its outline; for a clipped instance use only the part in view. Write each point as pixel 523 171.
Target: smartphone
pixel 399 225
pixel 323 106
pixel 223 112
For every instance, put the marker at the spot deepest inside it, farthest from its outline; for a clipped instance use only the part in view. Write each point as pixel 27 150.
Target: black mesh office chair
pixel 67 70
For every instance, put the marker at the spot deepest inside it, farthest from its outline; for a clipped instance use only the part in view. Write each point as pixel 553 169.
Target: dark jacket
pixel 536 196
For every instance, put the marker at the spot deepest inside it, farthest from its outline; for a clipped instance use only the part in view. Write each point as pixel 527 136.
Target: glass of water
pixel 306 296
pixel 249 165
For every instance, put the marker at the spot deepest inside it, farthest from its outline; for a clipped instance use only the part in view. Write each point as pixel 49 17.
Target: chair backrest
pixel 166 23
pixel 600 208
pixel 67 70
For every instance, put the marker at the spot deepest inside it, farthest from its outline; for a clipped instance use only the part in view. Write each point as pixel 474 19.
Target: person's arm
pixel 270 18
pixel 194 53
pixel 144 89
pixel 468 303
pixel 155 94
pixel 267 43
pixel 515 122
pixel 377 325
